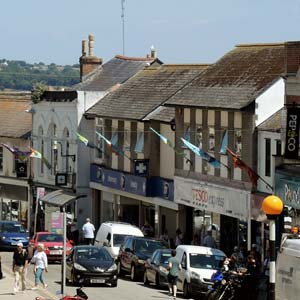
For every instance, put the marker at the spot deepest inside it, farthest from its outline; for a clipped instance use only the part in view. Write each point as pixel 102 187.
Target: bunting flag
pixel 210 159
pixel 21 155
pixel 169 143
pixel 83 140
pixel 238 163
pixel 224 143
pixel 37 154
pixel 113 147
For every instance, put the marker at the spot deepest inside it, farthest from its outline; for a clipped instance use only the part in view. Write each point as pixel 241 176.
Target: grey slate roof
pixel 145 91
pixel 15 122
pixel 273 123
pixel 235 80
pixel 162 114
pixel 117 70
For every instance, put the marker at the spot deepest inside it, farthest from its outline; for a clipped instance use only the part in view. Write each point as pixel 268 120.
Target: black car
pixel 133 254
pixel 156 268
pixel 91 264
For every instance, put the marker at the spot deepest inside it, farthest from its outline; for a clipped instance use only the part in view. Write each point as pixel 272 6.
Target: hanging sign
pixel 292 133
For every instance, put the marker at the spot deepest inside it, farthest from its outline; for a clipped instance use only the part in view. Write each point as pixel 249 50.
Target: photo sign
pixel 292 133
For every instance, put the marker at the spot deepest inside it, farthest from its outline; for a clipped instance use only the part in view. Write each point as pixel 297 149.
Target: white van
pixel 198 264
pixel 112 234
pixel 287 285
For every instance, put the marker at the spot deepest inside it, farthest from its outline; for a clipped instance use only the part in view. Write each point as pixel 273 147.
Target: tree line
pixel 19 75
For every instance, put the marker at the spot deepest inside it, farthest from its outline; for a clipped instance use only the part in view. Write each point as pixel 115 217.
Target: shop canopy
pixel 60 198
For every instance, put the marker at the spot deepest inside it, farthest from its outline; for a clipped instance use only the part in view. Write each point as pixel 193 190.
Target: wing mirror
pixel 106 243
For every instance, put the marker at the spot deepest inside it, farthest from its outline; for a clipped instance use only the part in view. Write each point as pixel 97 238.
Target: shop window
pixel 199 136
pixel 268 157
pixel 187 135
pixel 278 147
pixel 99 140
pixel 238 142
pixel 126 146
pixel 1 158
pixel 211 139
pixel 139 147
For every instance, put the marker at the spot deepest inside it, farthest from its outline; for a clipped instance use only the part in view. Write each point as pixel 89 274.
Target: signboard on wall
pixel 214 198
pixel 292 133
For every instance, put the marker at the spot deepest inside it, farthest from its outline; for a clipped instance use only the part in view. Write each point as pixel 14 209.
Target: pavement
pixel 7 283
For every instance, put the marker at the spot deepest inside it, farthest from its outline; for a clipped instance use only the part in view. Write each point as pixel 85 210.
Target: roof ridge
pixel 260 45
pixel 135 58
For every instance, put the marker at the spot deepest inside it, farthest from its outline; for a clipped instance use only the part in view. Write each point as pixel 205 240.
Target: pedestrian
pixel 19 267
pixel 195 240
pixel 179 237
pixel 40 265
pixel 147 229
pixel 240 257
pixel 209 240
pixel 88 232
pixel 174 267
pixel 164 237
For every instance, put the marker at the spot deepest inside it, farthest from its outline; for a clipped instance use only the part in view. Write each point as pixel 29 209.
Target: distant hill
pixel 19 75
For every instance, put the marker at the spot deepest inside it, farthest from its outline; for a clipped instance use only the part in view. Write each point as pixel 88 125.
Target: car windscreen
pixel 50 238
pixel 205 261
pixel 12 228
pixel 118 239
pixel 164 258
pixel 93 253
pixel 148 245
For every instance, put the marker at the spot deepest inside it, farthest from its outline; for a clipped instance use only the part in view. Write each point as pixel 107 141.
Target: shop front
pixel 224 209
pixel 120 196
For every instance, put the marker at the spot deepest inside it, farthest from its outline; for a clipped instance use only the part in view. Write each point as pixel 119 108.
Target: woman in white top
pixel 41 263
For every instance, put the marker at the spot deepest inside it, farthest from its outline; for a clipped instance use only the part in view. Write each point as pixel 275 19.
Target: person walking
pixel 88 232
pixel 209 240
pixel 40 265
pixel 174 267
pixel 19 267
pixel 179 237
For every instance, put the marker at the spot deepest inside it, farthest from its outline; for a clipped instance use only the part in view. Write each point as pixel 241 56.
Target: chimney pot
pixel 84 47
pixel 153 52
pixel 91 45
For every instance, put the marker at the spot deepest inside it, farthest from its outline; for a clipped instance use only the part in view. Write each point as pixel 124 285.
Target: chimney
pixel 153 52
pixel 88 61
pixel 292 57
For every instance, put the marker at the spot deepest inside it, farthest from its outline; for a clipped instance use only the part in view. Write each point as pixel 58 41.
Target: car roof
pixel 46 232
pixel 200 250
pixel 10 222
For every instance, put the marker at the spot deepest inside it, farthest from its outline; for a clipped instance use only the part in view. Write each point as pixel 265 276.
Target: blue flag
pixel 210 159
pixel 224 144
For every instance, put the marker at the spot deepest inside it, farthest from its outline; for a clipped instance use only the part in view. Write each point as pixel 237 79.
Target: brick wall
pixel 292 57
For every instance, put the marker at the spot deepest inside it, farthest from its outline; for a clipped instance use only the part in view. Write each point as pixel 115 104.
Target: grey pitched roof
pixel 14 120
pixel 117 70
pixel 273 123
pixel 162 114
pixel 235 80
pixel 146 91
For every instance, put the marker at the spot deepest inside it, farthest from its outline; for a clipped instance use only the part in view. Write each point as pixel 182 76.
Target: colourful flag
pixel 238 163
pixel 210 159
pixel 224 143
pixel 169 143
pixel 112 146
pixel 35 153
pixel 82 139
pixel 21 155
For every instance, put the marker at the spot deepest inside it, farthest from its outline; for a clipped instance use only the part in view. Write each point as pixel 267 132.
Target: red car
pixel 53 245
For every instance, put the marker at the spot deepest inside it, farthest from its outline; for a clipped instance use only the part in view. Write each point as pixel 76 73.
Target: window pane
pixel 139 147
pixel 187 134
pixel 1 158
pixel 126 140
pixel 268 157
pixel 238 141
pixel 114 139
pixel 211 139
pixel 199 136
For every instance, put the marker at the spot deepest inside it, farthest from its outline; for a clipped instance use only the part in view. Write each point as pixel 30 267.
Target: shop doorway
pixel 131 214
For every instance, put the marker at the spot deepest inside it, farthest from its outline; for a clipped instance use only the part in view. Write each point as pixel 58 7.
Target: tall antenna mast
pixel 123 24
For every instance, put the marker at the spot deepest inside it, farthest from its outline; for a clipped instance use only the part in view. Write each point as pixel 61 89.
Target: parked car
pixel 12 233
pixel 133 254
pixel 156 268
pixel 198 264
pixel 91 264
pixel 112 234
pixel 53 245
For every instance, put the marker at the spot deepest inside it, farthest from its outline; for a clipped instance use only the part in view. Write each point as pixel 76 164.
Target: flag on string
pixel 112 146
pixel 83 139
pixel 238 163
pixel 224 143
pixel 170 144
pixel 21 155
pixel 37 154
pixel 210 159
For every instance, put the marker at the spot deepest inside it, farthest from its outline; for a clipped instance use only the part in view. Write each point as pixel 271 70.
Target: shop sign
pixel 119 180
pixel 211 197
pixel 57 222
pixel 162 188
pixel 288 190
pixel 292 133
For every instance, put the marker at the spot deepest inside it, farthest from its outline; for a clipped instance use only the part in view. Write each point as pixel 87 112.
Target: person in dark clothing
pixel 1 274
pixel 19 266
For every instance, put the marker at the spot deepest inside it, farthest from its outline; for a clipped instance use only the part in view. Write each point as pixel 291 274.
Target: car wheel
pixel 119 269
pixel 114 283
pixel 73 278
pixel 133 273
pixel 157 280
pixel 186 290
pixel 146 281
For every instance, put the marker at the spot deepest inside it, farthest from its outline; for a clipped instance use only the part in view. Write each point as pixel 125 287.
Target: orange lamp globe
pixel 272 205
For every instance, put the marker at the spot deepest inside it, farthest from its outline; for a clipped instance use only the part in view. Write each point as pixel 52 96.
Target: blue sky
pixel 182 31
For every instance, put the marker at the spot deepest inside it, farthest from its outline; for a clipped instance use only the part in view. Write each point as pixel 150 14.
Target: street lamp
pixel 55 143
pixel 272 206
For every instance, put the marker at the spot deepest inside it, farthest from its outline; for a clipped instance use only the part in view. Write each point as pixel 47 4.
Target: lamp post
pixel 272 207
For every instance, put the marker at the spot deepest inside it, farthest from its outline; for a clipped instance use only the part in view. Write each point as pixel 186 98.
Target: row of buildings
pixel 129 173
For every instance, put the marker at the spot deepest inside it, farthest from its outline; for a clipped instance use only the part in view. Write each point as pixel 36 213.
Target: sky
pixel 181 31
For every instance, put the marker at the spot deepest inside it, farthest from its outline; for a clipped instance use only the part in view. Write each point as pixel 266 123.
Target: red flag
pixel 238 163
